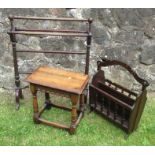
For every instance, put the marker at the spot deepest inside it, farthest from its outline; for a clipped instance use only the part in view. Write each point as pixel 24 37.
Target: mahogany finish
pixel 38 33
pixel 49 18
pixel 116 103
pixel 15 31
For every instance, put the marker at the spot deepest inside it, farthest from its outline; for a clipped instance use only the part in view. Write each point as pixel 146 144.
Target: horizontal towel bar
pixel 49 33
pixel 52 19
pixel 51 30
pixel 54 52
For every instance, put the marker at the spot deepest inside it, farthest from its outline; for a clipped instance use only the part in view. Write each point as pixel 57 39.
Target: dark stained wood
pixel 116 93
pixel 119 102
pixel 141 105
pixel 115 102
pixel 110 117
pixel 17 98
pixel 49 18
pixel 48 33
pixel 54 52
pixel 14 31
pixel 50 30
pixel 133 116
pixel 121 87
pixel 106 62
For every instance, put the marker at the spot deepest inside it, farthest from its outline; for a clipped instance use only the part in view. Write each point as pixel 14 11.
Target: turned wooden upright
pixel 62 82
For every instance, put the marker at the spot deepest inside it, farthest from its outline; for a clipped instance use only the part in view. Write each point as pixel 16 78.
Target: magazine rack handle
pixel 106 62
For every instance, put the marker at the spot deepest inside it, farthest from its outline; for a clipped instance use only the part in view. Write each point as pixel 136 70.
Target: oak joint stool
pixel 58 81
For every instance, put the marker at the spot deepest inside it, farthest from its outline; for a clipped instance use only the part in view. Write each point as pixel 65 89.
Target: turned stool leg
pixel 35 103
pixel 74 100
pixel 47 101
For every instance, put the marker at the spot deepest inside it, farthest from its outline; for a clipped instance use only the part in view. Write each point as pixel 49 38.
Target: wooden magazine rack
pixel 115 102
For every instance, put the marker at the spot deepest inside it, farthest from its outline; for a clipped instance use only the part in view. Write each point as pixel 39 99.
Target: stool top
pixel 60 79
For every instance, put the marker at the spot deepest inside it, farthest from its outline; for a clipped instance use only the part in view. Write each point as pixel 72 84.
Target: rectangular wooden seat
pixel 59 79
